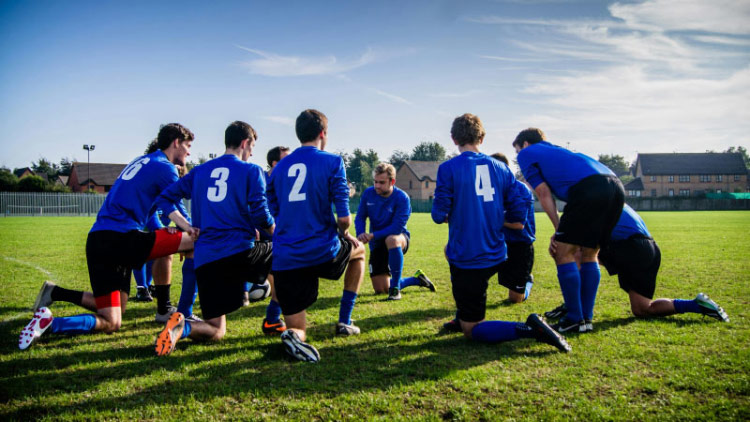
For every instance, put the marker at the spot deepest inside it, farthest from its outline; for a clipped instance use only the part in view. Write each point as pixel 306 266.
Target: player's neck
pixel 468 147
pixel 317 143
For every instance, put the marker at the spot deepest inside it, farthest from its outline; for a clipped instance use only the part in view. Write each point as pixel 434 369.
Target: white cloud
pixel 392 97
pixel 719 16
pixel 270 64
pixel 282 120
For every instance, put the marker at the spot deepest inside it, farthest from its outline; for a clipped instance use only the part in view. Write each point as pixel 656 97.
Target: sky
pixel 599 77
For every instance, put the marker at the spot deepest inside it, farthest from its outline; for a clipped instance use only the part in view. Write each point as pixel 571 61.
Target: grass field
pixel 402 366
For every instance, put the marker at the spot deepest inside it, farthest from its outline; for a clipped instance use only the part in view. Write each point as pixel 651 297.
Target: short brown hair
pixel 499 156
pixel 531 135
pixel 386 168
pixel 171 131
pixel 309 125
pixel 467 129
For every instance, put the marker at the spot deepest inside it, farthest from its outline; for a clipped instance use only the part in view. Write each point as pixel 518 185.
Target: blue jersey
pixel 228 205
pixel 264 236
pixel 528 234
pixel 388 216
pixel 558 167
pixel 303 188
pixel 159 220
pixel 476 193
pixel 629 224
pixel 128 204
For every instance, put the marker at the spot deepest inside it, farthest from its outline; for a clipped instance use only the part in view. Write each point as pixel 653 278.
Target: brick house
pixel 102 175
pixel 418 178
pixel 687 174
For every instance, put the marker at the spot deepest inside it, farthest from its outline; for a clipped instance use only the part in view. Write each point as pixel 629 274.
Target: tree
pixel 8 180
pixel 398 157
pixel 428 151
pixel 616 163
pixel 66 166
pixel 32 184
pixel 359 168
pixel 44 166
pixel 743 151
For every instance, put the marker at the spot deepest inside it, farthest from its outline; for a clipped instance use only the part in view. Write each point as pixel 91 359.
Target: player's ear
pixel 393 182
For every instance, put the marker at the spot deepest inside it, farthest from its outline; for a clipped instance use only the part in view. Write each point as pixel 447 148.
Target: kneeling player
pixel 228 203
pixel 635 257
pixel 471 195
pixel 116 244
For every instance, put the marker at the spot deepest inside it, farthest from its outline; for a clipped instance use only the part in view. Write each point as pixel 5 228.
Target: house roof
pixel 635 184
pixel 102 174
pixel 692 163
pixel 423 169
pixel 21 171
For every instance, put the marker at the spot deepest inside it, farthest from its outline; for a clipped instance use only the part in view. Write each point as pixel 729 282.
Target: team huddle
pixel 277 233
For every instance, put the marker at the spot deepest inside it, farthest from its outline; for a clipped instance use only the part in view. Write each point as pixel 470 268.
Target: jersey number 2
pixel 219 192
pixel 482 183
pixel 299 171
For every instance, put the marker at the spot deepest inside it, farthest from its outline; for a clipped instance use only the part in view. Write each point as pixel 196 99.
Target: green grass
pixel 684 367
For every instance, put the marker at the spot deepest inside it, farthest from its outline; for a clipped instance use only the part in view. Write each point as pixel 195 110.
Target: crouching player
pixel 388 208
pixel 228 203
pixel 472 194
pixel 116 243
pixel 635 257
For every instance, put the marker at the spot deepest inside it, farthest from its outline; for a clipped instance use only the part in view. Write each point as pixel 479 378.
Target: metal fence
pixel 49 203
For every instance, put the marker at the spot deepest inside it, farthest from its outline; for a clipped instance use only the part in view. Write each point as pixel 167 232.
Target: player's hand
pixel 257 235
pixel 171 229
pixel 194 232
pixel 552 247
pixel 352 239
pixel 365 238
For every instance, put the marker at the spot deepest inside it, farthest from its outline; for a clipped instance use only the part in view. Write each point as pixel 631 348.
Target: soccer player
pixel 309 242
pixel 474 195
pixel 388 209
pixel 635 257
pixel 116 243
pixel 228 204
pixel 594 197
pixel 515 272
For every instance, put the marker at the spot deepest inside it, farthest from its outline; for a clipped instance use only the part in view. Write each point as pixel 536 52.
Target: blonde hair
pixel 387 169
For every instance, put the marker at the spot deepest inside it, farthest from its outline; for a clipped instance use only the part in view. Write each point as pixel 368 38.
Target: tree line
pixel 46 173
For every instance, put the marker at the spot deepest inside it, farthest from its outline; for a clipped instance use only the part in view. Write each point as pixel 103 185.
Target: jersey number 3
pixel 219 192
pixel 299 171
pixel 482 183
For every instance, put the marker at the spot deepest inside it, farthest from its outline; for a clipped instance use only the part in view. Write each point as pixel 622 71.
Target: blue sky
pixel 597 76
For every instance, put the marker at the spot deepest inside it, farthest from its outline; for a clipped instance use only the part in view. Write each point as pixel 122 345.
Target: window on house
pixel 653 178
pixel 653 192
pixel 427 184
pixel 705 177
pixel 720 178
pixel 737 177
pixel 671 192
pixel 410 186
pixel 684 192
pixel 671 179
pixel 684 178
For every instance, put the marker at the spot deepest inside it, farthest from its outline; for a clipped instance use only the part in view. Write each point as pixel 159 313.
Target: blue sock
pixel 189 288
pixel 347 306
pixel 682 306
pixel 248 286
pixel 149 273
pixel 494 331
pixel 273 312
pixel 140 276
pixel 79 324
pixel 590 277
pixel 570 284
pixel 186 331
pixel 406 282
pixel 396 265
pixel 527 290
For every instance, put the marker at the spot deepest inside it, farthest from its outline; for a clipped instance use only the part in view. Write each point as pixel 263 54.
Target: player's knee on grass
pixel 515 297
pixel 639 305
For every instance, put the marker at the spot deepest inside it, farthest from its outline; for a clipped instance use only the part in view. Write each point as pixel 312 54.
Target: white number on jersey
pixel 131 170
pixel 219 192
pixel 482 184
pixel 299 171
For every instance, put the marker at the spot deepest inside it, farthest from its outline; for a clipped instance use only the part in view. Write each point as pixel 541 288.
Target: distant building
pixel 102 176
pixel 21 173
pixel 418 178
pixel 687 174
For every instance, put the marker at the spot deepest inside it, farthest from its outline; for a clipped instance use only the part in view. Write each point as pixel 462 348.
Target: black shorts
pixel 594 206
pixel 636 262
pixel 469 286
pixel 221 283
pixel 111 256
pixel 379 258
pixel 297 289
pixel 515 271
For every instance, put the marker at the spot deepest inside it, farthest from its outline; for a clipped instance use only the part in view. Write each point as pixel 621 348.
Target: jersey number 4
pixel 482 184
pixel 219 192
pixel 299 171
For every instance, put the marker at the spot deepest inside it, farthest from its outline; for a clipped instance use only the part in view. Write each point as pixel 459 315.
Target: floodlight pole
pixel 88 149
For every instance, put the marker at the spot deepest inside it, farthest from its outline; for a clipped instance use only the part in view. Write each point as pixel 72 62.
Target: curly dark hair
pixel 467 129
pixel 171 131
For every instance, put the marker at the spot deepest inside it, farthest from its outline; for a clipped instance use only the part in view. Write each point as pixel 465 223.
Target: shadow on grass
pixel 348 365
